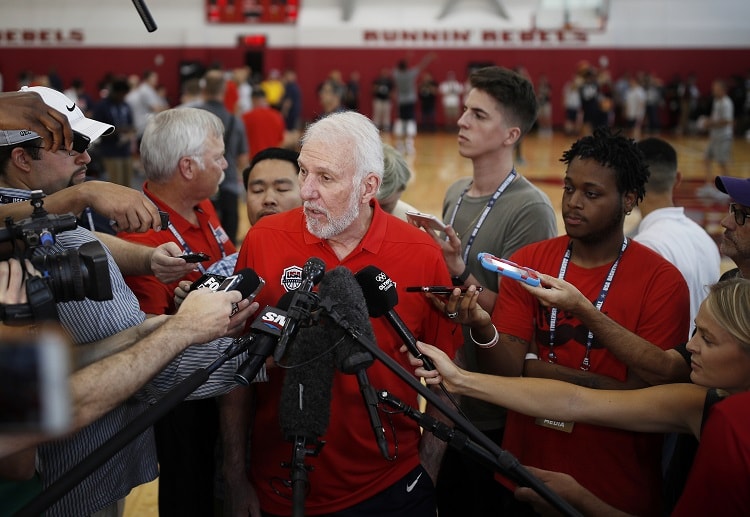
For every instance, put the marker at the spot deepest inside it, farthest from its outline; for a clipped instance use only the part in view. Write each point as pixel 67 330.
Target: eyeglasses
pixel 80 144
pixel 739 215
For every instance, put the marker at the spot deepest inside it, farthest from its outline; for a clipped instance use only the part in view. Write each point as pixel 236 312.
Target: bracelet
pixel 531 355
pixel 461 279
pixel 492 342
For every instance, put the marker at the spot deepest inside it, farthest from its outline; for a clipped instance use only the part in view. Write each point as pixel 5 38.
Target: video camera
pixel 66 276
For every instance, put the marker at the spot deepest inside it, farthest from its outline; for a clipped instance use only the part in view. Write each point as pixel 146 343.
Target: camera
pixel 68 275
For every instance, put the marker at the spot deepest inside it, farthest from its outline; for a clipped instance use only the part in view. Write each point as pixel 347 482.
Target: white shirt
pixel 684 243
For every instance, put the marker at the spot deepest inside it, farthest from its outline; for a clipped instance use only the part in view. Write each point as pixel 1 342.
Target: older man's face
pixel 330 194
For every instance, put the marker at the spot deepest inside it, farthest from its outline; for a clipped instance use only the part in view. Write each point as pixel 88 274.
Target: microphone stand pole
pixel 138 425
pixel 509 466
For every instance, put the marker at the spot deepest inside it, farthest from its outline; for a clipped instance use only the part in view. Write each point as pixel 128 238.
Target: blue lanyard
pixel 586 363
pixel 504 185
pixel 187 249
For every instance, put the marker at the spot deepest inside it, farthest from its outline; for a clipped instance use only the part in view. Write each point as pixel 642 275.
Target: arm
pixel 101 386
pixel 664 408
pixel 130 209
pixel 27 110
pixel 647 361
pixel 235 418
pixel 431 448
pixel 137 259
pixel 570 490
pixel 98 350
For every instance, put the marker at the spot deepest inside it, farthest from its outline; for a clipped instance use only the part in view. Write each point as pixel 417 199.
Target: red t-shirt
pixel 719 481
pixel 350 468
pixel 264 128
pixel 648 296
pixel 208 237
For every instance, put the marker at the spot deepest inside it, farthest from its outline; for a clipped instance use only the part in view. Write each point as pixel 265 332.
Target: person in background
pixel 235 151
pixel 144 101
pixel 451 91
pixel 427 91
pixel 405 81
pixel 735 242
pixel 264 126
pixel 396 176
pixel 667 230
pixel 291 109
pixel 382 102
pixel 720 126
pixel 117 149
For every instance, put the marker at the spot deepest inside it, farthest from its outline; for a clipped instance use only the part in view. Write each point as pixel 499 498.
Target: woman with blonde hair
pixel 713 408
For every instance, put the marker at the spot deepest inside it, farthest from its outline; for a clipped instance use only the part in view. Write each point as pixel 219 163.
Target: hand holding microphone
pixel 381 297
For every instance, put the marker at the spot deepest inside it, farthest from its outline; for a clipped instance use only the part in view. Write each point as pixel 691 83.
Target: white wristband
pixel 492 342
pixel 531 355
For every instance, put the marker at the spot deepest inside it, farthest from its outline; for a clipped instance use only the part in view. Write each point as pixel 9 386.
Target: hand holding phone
pixel 509 269
pixel 425 220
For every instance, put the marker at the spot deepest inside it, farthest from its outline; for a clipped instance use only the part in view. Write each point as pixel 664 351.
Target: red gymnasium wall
pixel 313 64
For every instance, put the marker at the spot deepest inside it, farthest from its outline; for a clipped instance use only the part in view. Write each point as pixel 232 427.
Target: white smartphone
pixel 425 220
pixel 34 391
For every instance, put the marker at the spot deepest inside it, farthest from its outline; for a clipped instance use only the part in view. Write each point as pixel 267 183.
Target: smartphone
pixel 164 219
pixel 509 269
pixel 195 257
pixel 34 391
pixel 425 220
pixel 437 289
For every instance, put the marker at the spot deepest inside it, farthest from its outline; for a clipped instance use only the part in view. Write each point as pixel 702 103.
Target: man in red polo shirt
pixel 182 152
pixel 341 169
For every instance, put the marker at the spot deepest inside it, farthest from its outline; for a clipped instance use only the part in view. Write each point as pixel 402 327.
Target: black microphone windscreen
pixel 340 292
pixel 305 405
pixel 248 283
pixel 378 289
pixel 286 300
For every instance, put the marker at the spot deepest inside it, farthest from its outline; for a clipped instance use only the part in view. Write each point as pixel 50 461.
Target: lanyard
pixel 586 363
pixel 508 180
pixel 184 244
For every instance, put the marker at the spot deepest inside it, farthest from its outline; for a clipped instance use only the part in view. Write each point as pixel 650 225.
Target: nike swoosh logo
pixel 72 107
pixel 410 486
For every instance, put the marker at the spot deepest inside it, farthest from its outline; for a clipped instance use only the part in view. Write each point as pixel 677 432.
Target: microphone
pixel 342 299
pixel 264 334
pixel 305 404
pixel 301 304
pixel 147 20
pixel 246 281
pixel 381 295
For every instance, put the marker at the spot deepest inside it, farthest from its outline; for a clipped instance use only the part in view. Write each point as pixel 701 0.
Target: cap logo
pixel 71 107
pixel 25 132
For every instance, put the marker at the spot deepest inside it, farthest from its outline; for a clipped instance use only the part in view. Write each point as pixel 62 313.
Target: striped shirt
pixel 87 321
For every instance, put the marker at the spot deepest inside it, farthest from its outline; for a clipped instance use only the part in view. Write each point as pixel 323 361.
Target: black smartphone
pixel 195 257
pixel 164 216
pixel 437 289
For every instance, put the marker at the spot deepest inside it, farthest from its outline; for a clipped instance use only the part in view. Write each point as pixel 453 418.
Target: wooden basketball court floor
pixel 437 164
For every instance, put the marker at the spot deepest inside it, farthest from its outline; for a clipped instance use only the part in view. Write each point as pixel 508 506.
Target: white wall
pixel 630 24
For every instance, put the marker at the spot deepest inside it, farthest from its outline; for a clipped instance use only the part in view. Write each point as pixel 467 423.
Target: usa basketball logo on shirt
pixel 291 278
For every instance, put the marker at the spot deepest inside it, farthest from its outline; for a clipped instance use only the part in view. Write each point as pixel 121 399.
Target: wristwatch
pixel 461 279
